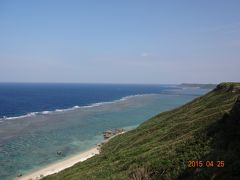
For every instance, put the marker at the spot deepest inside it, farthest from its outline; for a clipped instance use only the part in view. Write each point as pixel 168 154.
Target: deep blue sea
pixel 18 98
pixel 37 120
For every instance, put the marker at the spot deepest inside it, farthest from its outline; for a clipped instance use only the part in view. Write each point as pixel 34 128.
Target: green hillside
pixel 208 128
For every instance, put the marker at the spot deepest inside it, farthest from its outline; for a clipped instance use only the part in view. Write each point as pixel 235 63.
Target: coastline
pixel 19 169
pixel 60 165
pixel 65 163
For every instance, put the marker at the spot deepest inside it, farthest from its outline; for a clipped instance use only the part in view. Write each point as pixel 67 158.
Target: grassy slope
pixel 205 129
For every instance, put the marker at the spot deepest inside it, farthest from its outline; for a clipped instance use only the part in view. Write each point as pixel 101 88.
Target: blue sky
pixel 127 41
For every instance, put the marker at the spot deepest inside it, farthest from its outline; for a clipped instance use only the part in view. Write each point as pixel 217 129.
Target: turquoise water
pixel 29 143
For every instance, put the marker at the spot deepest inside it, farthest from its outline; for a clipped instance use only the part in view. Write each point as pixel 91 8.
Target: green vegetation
pixel 208 128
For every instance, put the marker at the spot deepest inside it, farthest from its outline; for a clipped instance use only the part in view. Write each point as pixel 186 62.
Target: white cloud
pixel 145 54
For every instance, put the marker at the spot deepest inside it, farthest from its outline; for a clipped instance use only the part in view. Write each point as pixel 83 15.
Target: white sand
pixel 63 164
pixel 60 165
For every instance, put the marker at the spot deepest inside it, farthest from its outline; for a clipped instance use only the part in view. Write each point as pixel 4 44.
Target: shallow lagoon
pixel 31 142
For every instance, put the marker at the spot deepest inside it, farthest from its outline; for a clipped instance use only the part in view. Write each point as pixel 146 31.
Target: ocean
pixel 40 119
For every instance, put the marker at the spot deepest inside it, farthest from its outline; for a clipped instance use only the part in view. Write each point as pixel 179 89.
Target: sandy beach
pixel 66 163
pixel 60 165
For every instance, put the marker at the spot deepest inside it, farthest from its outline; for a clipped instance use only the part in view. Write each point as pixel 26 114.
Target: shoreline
pixel 65 163
pixel 60 165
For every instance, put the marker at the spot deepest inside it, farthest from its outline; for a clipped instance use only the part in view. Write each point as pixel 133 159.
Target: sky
pixel 125 41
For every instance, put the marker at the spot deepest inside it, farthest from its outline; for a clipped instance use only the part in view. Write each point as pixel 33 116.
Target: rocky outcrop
pixel 59 153
pixel 233 87
pixel 112 132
